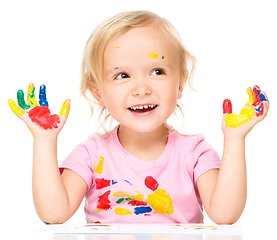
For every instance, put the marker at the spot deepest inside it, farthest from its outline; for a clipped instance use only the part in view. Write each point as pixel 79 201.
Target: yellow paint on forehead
pixel 153 55
pixel 117 47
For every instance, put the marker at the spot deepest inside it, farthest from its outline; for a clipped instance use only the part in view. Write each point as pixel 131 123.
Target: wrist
pixel 46 139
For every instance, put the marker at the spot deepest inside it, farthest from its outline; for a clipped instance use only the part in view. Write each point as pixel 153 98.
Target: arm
pixel 56 197
pixel 223 192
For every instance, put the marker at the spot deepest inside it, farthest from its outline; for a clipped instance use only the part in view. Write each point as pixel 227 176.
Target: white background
pixel 235 45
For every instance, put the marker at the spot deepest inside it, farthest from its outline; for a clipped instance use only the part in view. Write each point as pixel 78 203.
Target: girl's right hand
pixel 37 115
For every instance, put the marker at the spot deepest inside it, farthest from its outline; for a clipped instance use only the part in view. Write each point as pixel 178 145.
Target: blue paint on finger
pixel 42 96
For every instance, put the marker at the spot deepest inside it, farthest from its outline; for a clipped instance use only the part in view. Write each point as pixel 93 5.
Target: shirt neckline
pixel 163 157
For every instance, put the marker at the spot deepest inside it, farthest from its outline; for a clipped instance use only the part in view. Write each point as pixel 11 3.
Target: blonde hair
pixel 117 25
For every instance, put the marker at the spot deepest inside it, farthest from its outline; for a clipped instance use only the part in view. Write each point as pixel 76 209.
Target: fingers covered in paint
pixel 15 108
pixel 65 108
pixel 42 96
pixel 31 95
pixel 254 108
pixel 38 113
pixel 227 106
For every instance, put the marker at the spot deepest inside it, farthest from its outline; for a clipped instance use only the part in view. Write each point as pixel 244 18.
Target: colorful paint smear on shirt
pixel 122 211
pixel 137 203
pixel 98 165
pixel 41 116
pixel 101 183
pixel 256 99
pixel 151 183
pixel 161 202
pixel 104 202
pixel 142 210
pixel 122 194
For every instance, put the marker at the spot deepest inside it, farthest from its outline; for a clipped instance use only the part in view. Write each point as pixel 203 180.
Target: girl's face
pixel 142 79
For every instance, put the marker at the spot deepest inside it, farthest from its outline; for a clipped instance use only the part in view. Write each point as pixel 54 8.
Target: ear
pixel 97 95
pixel 180 89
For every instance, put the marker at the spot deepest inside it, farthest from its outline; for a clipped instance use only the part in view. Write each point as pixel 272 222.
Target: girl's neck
pixel 145 146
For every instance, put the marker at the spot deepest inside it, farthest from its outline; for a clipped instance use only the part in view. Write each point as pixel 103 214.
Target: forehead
pixel 140 42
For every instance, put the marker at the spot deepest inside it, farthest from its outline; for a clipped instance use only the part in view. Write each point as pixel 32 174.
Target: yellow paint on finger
pixel 161 202
pixel 153 55
pixel 98 165
pixel 65 109
pixel 245 115
pixel 122 211
pixel 251 97
pixel 31 95
pixel 15 108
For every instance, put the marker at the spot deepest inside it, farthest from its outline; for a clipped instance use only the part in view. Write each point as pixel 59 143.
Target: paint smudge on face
pixel 122 211
pixel 153 55
pixel 117 47
pixel 102 183
pixel 98 165
pixel 142 210
pixel 104 202
pixel 41 116
pixel 161 202
pixel 151 183
pixel 114 68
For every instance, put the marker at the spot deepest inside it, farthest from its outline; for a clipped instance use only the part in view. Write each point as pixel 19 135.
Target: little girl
pixel 143 171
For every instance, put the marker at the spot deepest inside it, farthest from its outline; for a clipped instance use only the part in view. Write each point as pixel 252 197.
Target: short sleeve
pixel 79 161
pixel 205 157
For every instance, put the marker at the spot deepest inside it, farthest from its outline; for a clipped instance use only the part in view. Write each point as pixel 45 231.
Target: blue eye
pixel 122 75
pixel 157 72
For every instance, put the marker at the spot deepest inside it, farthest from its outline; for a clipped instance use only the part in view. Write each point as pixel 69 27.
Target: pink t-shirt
pixel 124 189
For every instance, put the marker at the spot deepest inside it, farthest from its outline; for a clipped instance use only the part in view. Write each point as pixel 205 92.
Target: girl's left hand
pixel 236 127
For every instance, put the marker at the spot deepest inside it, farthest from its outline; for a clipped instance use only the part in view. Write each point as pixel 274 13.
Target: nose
pixel 141 87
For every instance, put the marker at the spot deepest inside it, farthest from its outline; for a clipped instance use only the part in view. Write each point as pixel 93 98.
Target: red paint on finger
pixel 227 106
pixel 41 116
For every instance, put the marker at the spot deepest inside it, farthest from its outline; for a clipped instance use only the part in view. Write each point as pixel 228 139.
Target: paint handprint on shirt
pixel 157 202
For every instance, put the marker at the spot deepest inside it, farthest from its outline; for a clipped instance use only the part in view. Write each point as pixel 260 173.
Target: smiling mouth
pixel 143 108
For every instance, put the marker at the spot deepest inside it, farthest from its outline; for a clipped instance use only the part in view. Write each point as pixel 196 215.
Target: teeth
pixel 145 106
